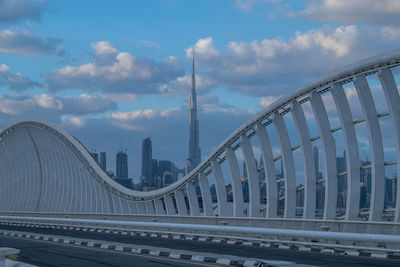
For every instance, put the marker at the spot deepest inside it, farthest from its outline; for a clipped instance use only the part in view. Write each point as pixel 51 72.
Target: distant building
pixel 122 165
pixel 125 182
pixel 167 178
pixel 147 164
pixel 300 195
pixel 103 160
pixel 194 148
pixel 316 162
pixel 156 176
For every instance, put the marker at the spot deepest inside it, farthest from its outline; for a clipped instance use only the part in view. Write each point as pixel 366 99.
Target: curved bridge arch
pixel 44 169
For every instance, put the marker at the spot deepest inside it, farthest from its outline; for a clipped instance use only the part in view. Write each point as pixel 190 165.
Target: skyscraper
pixel 122 165
pixel 316 162
pixel 147 161
pixel 194 148
pixel 103 160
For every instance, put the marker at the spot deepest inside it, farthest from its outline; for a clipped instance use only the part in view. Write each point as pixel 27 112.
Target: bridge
pixel 49 179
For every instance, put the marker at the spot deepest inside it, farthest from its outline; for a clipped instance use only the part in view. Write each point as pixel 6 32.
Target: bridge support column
pixel 352 156
pixel 251 167
pixel 288 166
pixel 141 208
pixel 376 148
pixel 193 200
pixel 308 160
pixel 329 151
pixel 149 207
pixel 223 209
pixel 180 202
pixel 159 206
pixel 393 99
pixel 270 172
pixel 206 195
pixel 169 204
pixel 237 189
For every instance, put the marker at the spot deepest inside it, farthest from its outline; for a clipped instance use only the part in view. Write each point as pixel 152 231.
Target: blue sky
pixel 119 71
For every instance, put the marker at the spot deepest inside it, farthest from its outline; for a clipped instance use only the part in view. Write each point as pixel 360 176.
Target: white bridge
pixel 48 177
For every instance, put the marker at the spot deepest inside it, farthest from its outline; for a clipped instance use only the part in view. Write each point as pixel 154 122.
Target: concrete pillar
pixel 329 151
pixel 352 156
pixel 288 165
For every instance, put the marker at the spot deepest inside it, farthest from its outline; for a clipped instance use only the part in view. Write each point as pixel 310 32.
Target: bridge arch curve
pixel 44 169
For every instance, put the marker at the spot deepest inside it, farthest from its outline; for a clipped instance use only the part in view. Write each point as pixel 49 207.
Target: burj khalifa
pixel 194 149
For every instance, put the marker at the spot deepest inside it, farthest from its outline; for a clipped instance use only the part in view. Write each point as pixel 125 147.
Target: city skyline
pixel 108 86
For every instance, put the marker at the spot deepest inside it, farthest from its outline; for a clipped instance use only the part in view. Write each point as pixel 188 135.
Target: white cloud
pixel 73 121
pixel 149 45
pixel 133 120
pixel 354 11
pixel 276 66
pixel 26 43
pixel 17 82
pixel 247 5
pixel 115 71
pixel 182 85
pixel 15 10
pixel 265 101
pixel 52 105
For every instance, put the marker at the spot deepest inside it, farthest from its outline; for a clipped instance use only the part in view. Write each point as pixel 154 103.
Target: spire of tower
pixel 194 148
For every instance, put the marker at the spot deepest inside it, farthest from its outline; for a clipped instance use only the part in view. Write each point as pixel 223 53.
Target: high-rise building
pixel 103 160
pixel 194 148
pixel 147 163
pixel 122 165
pixel 156 175
pixel 316 162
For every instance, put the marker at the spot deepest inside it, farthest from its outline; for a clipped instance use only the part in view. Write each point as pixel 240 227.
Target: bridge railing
pixel 297 237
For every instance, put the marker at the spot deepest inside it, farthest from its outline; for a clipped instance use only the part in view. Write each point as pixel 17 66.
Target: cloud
pixel 276 66
pixel 115 71
pixel 67 121
pixel 247 5
pixel 265 101
pixel 182 85
pixel 133 120
pixel 15 10
pixel 17 82
pixel 354 11
pixel 26 43
pixel 53 106
pixel 149 45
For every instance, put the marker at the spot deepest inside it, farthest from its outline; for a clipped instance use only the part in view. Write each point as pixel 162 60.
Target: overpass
pixel 48 178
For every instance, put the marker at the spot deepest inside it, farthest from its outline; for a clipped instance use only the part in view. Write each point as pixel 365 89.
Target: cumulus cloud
pixel 15 10
pixel 26 43
pixel 276 66
pixel 115 71
pixel 17 82
pixel 182 85
pixel 45 105
pixel 354 11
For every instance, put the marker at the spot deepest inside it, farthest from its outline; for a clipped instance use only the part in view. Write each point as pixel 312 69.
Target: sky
pixel 114 72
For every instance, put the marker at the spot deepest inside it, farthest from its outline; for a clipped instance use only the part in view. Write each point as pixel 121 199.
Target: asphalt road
pixel 302 257
pixel 54 255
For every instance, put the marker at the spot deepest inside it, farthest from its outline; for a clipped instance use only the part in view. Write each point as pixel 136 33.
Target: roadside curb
pixel 230 261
